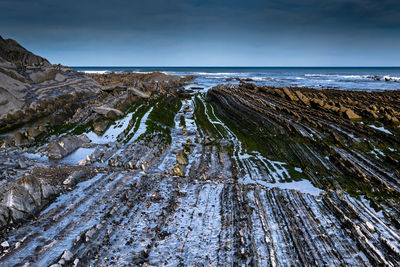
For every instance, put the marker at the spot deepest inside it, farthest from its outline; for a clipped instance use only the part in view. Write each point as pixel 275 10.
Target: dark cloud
pixel 193 25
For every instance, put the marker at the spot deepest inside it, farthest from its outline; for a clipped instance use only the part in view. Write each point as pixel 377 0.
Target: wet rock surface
pixel 240 176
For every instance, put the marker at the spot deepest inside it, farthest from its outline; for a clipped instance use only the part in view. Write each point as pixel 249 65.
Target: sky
pixel 206 32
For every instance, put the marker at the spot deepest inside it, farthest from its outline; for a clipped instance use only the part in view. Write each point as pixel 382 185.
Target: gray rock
pixel 74 178
pixel 65 145
pixel 23 197
pixel 26 80
pixel 19 139
pixel 104 110
pixel 5 244
pixel 67 256
pixel 22 164
pixel 32 132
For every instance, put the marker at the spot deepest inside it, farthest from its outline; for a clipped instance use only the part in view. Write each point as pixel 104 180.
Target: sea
pixel 343 78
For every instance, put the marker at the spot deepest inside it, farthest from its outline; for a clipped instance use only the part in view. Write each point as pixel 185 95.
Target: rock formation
pixel 132 170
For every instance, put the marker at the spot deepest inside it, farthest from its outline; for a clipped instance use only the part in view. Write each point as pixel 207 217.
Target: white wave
pixel 339 76
pixel 217 73
pixel 147 72
pixel 217 77
pixel 96 71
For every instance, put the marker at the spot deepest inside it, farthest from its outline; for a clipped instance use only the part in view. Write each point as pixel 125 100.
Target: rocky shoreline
pixel 134 169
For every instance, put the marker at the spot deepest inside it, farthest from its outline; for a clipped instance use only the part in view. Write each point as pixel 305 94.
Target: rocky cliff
pixel 28 80
pixel 13 52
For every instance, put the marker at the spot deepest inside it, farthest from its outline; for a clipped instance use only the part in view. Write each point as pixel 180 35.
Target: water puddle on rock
pixel 78 155
pixel 382 129
pixel 304 186
pixel 36 156
pixel 113 131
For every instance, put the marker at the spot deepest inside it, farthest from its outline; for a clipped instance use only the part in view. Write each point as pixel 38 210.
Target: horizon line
pixel 183 66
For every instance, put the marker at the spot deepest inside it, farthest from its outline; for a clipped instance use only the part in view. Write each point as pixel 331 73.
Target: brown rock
pixel 19 139
pixel 303 98
pixel 374 108
pixel 112 115
pixel 370 113
pixel 289 94
pixel 32 132
pixel 349 114
pixel 317 103
pixel 179 170
pixel 182 158
pixel 279 92
pixel 100 127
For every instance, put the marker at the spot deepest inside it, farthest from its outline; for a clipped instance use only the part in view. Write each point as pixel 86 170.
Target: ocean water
pixel 345 78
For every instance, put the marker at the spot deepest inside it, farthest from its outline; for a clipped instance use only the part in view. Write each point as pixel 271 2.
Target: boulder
pixel 349 114
pixel 302 98
pixel 23 198
pixel 32 133
pixel 391 120
pixel 100 127
pixel 289 94
pixel 74 177
pixel 374 108
pixel 139 93
pixel 67 256
pixel 104 110
pixel 112 115
pixel 280 93
pixel 370 113
pixel 317 103
pixel 65 146
pixel 19 139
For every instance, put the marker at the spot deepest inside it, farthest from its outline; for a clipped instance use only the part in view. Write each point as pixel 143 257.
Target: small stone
pixel 179 170
pixel 5 244
pixel 67 255
pixel 22 164
pixel 182 158
pixel 19 139
pixel 42 128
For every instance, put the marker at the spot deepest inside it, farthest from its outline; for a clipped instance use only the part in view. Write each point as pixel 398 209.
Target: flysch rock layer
pixel 144 173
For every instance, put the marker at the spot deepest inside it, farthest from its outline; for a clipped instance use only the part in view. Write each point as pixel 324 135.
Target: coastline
pixel 164 169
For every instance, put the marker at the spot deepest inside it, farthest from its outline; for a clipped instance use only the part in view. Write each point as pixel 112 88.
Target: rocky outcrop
pixel 65 146
pixel 28 81
pixel 244 176
pixel 13 52
pixel 24 198
pixel 108 112
pixel 349 114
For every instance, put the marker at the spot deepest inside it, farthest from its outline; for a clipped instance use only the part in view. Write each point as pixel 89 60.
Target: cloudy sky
pixel 207 33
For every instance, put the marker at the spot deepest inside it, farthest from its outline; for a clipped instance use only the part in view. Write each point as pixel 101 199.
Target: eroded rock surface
pixel 242 176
